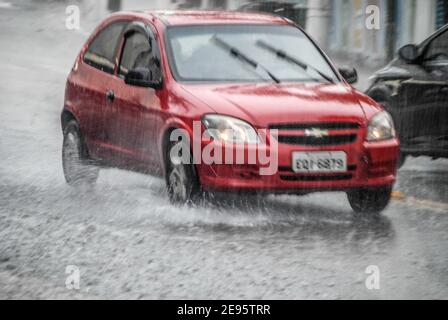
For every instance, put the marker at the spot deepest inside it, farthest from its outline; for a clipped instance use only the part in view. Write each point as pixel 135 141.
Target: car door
pixel 133 127
pixel 97 70
pixel 424 113
pixel 436 63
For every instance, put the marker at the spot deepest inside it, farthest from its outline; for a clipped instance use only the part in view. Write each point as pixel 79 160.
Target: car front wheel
pixel 181 179
pixel 401 160
pixel 77 170
pixel 370 201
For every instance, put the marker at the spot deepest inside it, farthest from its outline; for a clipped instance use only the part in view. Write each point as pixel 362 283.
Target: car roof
pixel 194 17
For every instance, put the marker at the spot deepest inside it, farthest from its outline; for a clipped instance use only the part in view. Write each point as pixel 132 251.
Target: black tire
pixel 182 181
pixel 75 160
pixel 401 160
pixel 402 156
pixel 369 201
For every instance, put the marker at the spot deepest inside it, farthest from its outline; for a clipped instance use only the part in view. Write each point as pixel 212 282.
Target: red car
pixel 144 78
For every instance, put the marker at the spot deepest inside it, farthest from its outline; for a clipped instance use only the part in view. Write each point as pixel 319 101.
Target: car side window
pixel 101 52
pixel 139 52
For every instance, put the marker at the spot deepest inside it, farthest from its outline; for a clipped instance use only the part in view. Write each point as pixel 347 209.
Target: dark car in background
pixel 414 89
pixel 290 10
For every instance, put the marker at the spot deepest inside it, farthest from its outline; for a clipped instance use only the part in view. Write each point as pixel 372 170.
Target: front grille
pixel 339 177
pixel 287 174
pixel 314 141
pixel 283 170
pixel 321 126
pixel 339 133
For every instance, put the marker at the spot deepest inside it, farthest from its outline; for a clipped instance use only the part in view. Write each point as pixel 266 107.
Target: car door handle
pixel 110 96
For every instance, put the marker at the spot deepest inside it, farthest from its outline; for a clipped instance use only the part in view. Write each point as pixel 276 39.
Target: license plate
pixel 319 162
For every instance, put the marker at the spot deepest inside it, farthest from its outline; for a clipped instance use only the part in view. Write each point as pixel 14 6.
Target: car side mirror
pixel 141 77
pixel 408 53
pixel 350 74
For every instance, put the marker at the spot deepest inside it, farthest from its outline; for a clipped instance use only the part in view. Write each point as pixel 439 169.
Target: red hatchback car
pixel 159 92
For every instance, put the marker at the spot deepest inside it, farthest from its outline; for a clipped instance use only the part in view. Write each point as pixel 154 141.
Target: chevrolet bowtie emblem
pixel 317 133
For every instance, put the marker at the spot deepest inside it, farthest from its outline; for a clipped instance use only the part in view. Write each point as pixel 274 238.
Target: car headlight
pixel 381 127
pixel 228 129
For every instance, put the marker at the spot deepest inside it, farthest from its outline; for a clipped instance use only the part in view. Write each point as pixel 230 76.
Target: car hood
pixel 265 104
pixel 395 70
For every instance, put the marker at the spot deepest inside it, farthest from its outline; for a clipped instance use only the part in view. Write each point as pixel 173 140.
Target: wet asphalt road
pixel 129 242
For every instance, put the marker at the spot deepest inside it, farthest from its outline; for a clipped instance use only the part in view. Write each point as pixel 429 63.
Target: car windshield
pixel 245 53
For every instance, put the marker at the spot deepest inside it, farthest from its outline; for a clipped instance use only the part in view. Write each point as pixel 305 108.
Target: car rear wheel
pixel 77 170
pixel 181 179
pixel 369 201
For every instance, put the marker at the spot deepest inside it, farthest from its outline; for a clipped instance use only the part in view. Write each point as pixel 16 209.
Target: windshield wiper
pixel 283 55
pixel 241 56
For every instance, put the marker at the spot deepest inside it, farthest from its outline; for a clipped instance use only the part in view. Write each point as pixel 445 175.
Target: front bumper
pixel 370 165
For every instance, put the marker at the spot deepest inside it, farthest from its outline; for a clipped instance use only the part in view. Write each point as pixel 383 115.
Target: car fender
pixel 69 109
pixel 171 123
